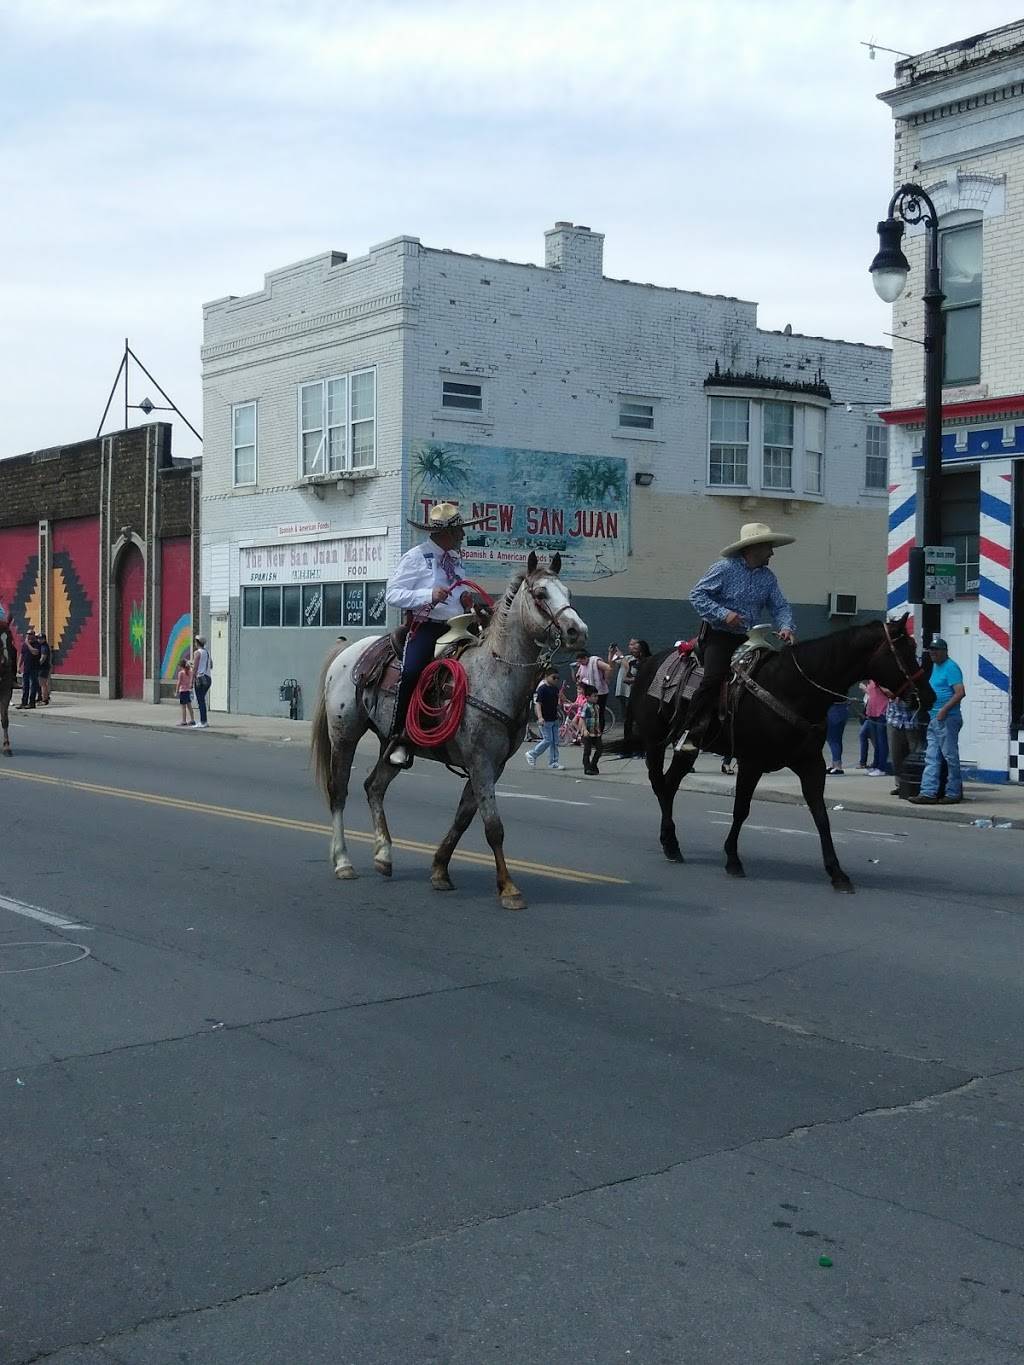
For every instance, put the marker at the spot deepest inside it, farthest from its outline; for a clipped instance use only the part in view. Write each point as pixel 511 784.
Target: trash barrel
pixel 911 772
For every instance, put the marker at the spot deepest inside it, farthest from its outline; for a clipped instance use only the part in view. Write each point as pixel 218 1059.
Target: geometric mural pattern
pixel 71 606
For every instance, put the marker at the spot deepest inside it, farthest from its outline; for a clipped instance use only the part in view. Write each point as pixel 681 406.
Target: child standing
pixel 185 693
pixel 545 703
pixel 590 719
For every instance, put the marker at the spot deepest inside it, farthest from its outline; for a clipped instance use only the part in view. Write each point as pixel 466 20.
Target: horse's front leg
pixel 483 789
pixel 5 718
pixel 342 754
pixel 439 878
pixel 812 784
pixel 746 784
pixel 376 785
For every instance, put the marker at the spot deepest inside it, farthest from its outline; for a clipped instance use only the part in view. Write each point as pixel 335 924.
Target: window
pixel 637 415
pixel 338 423
pixel 961 284
pixel 730 440
pixel 316 604
pixel 814 445
pixel 468 396
pixel 777 463
pixel 876 462
pixel 243 442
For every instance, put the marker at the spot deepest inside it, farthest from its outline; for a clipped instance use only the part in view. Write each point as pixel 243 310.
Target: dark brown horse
pixel 804 681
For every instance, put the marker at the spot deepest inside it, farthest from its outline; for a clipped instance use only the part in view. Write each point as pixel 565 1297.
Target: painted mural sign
pixel 543 500
pixel 317 561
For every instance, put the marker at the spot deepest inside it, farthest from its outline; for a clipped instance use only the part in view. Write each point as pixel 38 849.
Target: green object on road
pixel 825 1261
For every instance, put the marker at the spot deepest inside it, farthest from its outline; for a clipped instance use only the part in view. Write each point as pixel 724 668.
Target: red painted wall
pixel 74 596
pixel 19 576
pixel 175 604
pixel 131 645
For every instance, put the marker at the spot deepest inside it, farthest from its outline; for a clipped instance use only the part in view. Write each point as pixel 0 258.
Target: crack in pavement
pixel 564 1201
pixel 778 971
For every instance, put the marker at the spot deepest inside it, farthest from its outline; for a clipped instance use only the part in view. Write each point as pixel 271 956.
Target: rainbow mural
pixel 179 643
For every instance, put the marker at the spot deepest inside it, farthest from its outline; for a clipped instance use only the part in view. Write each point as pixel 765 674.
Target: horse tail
pixel 320 739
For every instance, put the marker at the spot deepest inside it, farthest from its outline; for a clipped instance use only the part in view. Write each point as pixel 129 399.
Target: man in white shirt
pixel 425 586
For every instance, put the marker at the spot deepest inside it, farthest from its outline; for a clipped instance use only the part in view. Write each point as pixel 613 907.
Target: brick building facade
pixel 99 548
pixel 959 132
pixel 631 427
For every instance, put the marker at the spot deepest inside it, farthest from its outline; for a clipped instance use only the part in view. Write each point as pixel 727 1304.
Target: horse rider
pixel 736 592
pixel 424 587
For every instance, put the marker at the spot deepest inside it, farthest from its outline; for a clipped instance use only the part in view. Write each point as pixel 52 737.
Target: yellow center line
pixel 309 827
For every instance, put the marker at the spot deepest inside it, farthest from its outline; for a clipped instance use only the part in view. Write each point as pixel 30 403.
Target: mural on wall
pixel 175 604
pixel 19 575
pixel 538 500
pixel 74 592
pixel 131 596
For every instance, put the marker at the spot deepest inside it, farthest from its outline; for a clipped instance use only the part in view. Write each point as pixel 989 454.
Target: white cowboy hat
pixel 445 516
pixel 756 533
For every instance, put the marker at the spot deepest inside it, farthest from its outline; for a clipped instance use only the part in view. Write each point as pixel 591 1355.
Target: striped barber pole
pixel 994 555
pixel 902 531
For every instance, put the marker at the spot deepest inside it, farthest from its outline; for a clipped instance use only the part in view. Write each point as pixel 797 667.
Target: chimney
pixel 574 250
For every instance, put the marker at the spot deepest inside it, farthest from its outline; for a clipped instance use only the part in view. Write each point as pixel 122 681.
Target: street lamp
pixel 889 271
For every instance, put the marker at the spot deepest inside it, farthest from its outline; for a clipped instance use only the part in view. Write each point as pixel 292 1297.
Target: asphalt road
pixel 253 1115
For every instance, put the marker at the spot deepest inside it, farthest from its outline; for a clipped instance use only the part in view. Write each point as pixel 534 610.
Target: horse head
pixel 895 666
pixel 547 606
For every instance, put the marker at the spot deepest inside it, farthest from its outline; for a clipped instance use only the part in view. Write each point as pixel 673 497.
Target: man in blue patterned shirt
pixel 737 592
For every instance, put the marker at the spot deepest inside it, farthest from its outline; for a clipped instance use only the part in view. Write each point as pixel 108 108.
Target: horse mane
pixel 503 608
pixel 823 652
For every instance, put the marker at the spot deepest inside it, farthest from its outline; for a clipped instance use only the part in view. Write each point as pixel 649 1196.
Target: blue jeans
pixel 874 729
pixel 943 743
pixel 202 686
pixel 838 713
pixel 548 740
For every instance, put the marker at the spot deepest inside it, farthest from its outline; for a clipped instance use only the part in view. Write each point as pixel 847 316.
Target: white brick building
pixel 630 426
pixel 959 116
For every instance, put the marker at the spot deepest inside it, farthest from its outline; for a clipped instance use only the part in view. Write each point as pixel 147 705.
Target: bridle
pixel 552 635
pixel 911 678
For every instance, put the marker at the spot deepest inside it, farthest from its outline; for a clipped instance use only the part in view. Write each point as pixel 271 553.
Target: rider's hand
pixel 733 618
pixel 438 595
pixel 788 635
pixel 467 601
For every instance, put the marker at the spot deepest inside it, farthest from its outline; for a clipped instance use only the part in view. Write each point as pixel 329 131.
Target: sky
pixel 156 154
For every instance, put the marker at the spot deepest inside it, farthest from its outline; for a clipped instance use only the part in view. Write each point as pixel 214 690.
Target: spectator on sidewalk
pixel 590 719
pixel 545 706
pixel 904 735
pixel 835 727
pixel 29 672
pixel 636 652
pixel 202 670
pixel 185 694
pixel 595 672
pixel 45 660
pixel 947 682
pixel 873 728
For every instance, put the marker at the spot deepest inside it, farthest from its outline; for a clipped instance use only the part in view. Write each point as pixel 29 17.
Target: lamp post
pixel 889 271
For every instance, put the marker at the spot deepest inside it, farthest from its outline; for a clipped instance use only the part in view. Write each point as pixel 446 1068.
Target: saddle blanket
pixel 677 675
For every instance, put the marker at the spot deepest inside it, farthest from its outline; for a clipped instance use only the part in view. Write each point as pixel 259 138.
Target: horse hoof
pixel 346 874
pixel 442 882
pixel 383 868
pixel 514 900
pixel 675 855
pixel 735 870
pixel 846 886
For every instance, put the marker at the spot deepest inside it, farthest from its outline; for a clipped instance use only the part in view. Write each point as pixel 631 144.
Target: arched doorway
pixel 131 622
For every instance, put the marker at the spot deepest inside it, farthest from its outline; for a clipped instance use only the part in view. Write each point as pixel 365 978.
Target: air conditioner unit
pixel 842 604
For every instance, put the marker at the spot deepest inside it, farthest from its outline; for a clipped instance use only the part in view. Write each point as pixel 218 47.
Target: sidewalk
pixel 854 791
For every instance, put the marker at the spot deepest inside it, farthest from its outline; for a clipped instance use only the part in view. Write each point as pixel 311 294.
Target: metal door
pixel 131 623
pixel 959 630
pixel 218 647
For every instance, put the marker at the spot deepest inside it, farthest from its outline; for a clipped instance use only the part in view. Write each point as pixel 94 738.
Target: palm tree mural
pixel 597 481
pixel 438 469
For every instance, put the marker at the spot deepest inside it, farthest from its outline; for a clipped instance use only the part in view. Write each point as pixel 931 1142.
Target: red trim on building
pixel 988 627
pixel 899 556
pixel 977 407
pixel 990 550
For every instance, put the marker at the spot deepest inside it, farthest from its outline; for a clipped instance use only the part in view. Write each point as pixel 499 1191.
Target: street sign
pixel 939 574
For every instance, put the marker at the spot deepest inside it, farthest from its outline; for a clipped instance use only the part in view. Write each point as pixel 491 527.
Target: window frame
pixel 777 446
pixel 337 589
pixel 974 224
pixel 644 418
pixel 255 443
pixel 329 466
pixel 876 429
pixel 813 451
pixel 461 402
pixel 722 445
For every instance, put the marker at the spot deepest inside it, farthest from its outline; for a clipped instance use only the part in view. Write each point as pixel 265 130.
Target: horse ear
pixel 531 563
pixel 556 565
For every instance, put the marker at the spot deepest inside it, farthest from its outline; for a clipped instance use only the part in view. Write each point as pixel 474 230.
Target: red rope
pixel 447 717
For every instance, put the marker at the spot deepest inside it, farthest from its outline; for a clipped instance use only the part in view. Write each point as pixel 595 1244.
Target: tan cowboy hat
pixel 756 533
pixel 445 516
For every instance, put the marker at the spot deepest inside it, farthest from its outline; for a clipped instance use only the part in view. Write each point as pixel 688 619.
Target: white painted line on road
pixel 871 833
pixel 43 916
pixel 879 834
pixel 534 796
